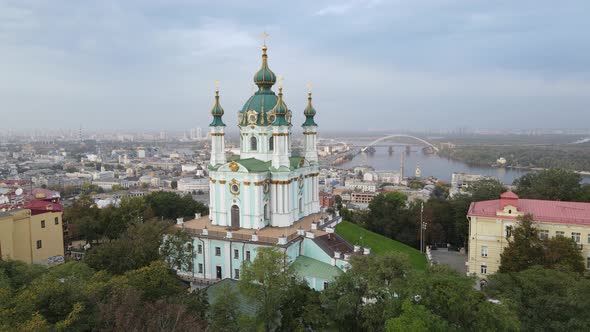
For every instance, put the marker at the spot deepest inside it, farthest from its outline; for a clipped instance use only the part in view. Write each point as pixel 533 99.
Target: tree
pixel 525 248
pixel 362 298
pixel 417 318
pixel 388 216
pixel 136 248
pixel 486 189
pixel 563 253
pixel 125 310
pixel 544 299
pixel 170 205
pixel 177 250
pixel 453 298
pixel 223 313
pixel 174 184
pixel 554 184
pixel 266 282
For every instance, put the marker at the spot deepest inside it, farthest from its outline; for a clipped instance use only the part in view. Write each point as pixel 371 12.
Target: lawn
pixel 379 244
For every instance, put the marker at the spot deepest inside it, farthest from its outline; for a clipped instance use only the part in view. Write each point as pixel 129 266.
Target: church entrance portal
pixel 235 217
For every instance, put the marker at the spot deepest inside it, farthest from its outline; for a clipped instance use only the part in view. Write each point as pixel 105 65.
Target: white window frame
pixel 484 251
pixel 577 237
pixel 483 269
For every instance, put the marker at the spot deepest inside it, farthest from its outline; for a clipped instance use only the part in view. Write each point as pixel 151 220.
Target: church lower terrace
pixel 314 223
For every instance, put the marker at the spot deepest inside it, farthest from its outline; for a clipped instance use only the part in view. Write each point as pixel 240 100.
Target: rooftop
pixel 306 266
pixel 543 211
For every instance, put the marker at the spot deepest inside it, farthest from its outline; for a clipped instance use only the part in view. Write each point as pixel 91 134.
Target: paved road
pixel 454 259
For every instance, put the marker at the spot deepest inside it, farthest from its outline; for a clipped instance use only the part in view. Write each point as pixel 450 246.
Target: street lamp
pixel 421 226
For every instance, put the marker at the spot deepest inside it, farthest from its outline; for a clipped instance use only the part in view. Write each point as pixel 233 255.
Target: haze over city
pixel 151 65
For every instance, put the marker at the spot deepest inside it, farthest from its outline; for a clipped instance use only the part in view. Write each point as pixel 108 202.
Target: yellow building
pixel 490 223
pixel 32 236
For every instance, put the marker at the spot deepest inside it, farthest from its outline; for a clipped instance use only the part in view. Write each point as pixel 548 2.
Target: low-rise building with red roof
pixel 490 223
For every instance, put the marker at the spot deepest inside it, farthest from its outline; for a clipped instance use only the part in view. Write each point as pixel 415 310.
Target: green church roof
pixel 255 165
pixel 309 267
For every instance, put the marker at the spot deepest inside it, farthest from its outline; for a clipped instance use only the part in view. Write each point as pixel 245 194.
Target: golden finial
pixel 264 35
pixel 217 86
pixel 309 87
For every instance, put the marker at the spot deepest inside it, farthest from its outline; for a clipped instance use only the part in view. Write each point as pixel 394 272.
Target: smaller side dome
pixel 217 112
pixel 309 113
pixel 281 111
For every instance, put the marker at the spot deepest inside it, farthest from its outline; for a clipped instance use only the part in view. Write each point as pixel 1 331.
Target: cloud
pixel 151 65
pixel 342 8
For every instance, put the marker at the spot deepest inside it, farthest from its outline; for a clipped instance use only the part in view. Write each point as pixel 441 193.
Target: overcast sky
pixel 375 65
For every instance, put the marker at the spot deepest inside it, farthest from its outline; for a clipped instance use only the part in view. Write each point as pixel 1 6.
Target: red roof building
pixel 544 211
pixel 491 222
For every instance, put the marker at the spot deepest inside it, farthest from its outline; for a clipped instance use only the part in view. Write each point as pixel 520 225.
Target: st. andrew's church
pixel 266 195
pixel 265 185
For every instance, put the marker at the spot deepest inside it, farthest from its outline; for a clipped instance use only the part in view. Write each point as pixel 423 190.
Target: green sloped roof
pixel 294 162
pixel 309 267
pixel 254 165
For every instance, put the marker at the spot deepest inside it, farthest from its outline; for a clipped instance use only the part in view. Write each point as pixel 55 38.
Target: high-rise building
pixel 199 133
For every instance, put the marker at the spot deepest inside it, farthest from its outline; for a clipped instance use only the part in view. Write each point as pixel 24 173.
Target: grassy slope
pixel 379 244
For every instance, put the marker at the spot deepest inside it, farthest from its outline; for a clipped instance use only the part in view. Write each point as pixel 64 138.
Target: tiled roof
pixel 332 242
pixel 543 211
pixel 38 207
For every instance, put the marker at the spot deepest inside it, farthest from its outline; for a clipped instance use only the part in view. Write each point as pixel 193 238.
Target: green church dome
pixel 309 113
pixel 265 77
pixel 257 109
pixel 281 111
pixel 217 112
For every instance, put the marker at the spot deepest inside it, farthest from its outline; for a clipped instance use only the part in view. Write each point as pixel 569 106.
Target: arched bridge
pixel 399 135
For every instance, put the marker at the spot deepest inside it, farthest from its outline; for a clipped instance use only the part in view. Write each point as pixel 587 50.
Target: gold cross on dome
pixel 281 78
pixel 264 35
pixel 216 85
pixel 309 87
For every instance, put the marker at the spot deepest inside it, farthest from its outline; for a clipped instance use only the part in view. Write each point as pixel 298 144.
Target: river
pixel 430 164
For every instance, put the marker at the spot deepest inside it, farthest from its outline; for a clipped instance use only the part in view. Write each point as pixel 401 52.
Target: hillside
pixel 379 244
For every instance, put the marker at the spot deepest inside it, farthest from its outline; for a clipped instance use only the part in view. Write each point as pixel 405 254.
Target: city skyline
pixel 151 66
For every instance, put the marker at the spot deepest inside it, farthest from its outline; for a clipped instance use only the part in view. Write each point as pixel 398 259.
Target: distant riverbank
pixel 575 158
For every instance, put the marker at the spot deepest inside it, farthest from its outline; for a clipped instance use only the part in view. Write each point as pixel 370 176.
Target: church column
pixel 217 133
pixel 310 132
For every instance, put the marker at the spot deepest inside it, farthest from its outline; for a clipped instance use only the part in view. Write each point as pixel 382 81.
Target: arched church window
pixel 253 143
pixel 300 205
pixel 266 211
pixel 271 144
